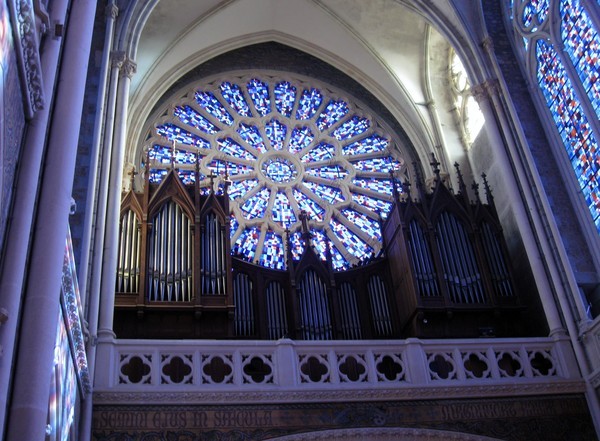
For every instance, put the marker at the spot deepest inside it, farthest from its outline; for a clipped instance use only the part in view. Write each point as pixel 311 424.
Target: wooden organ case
pixel 443 272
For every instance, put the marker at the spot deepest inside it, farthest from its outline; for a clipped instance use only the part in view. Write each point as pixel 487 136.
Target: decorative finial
pixel 461 182
pixel 488 190
pixel 133 174
pixel 475 187
pixel 212 177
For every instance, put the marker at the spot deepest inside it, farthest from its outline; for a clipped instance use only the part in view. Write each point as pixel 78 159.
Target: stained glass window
pixel 565 79
pixel 288 148
pixel 63 388
pixel 469 116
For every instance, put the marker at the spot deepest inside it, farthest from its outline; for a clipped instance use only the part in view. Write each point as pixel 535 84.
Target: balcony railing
pixel 286 370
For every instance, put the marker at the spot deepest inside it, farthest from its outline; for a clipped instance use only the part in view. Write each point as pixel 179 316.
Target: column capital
pixel 488 44
pixel 128 68
pixel 117 58
pixel 111 11
pixel 485 90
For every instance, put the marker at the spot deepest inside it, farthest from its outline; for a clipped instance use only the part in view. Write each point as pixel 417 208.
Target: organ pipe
pixel 379 307
pixel 461 271
pixel 128 254
pixel 314 304
pixel 244 322
pixel 422 261
pixel 169 256
pixel 350 319
pixel 277 326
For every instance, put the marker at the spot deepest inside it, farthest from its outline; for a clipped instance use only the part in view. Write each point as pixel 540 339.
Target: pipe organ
pixel 443 272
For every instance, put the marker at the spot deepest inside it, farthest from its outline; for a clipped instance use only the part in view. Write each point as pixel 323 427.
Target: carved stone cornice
pixel 23 19
pixel 193 396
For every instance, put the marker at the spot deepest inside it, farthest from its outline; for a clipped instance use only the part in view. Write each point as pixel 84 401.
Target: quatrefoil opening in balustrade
pixel 476 366
pixel 509 365
pixel 441 367
pixel 390 368
pixel 176 370
pixel 217 370
pixel 352 368
pixel 256 370
pixel 542 364
pixel 314 370
pixel 135 370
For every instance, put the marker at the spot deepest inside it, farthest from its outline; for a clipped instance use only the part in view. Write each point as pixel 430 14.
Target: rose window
pixel 295 154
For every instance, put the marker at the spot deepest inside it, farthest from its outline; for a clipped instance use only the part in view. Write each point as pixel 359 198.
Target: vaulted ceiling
pixel 395 49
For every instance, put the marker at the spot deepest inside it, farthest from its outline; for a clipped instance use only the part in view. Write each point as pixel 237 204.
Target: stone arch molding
pixel 154 82
pixel 384 434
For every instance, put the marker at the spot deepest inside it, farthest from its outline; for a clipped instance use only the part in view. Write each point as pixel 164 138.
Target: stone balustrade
pixel 200 371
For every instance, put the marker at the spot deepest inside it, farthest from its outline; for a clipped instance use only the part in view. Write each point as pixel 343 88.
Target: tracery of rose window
pixel 288 147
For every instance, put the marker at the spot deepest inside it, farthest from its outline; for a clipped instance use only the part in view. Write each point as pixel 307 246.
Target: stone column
pixel 111 239
pixel 96 215
pixel 17 241
pixel 481 92
pixel 35 354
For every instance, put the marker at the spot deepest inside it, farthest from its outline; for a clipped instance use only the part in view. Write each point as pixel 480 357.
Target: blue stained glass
pixel 353 127
pixel 256 205
pixel 535 9
pixel 162 154
pixel 382 165
pixel 252 136
pixel 279 170
pixel 297 245
pixel 321 152
pixel 338 261
pixel 353 244
pixel 219 167
pixel 309 103
pixel 285 96
pixel 232 148
pixel 282 210
pixel 314 210
pixel 233 226
pixel 320 240
pixel 376 205
pixel 188 177
pixel 331 172
pixel 157 175
pixel 182 136
pixel 273 255
pixel 365 223
pixel 212 105
pixel 235 98
pixel 582 43
pixel 383 186
pixel 329 194
pixel 245 245
pixel 571 122
pixel 373 143
pixel 273 192
pixel 276 132
pixel 334 111
pixel 237 189
pixel 192 118
pixel 259 93
pixel 300 138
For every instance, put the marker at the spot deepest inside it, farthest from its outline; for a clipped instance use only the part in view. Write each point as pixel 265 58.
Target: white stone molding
pixel 24 22
pixel 384 434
